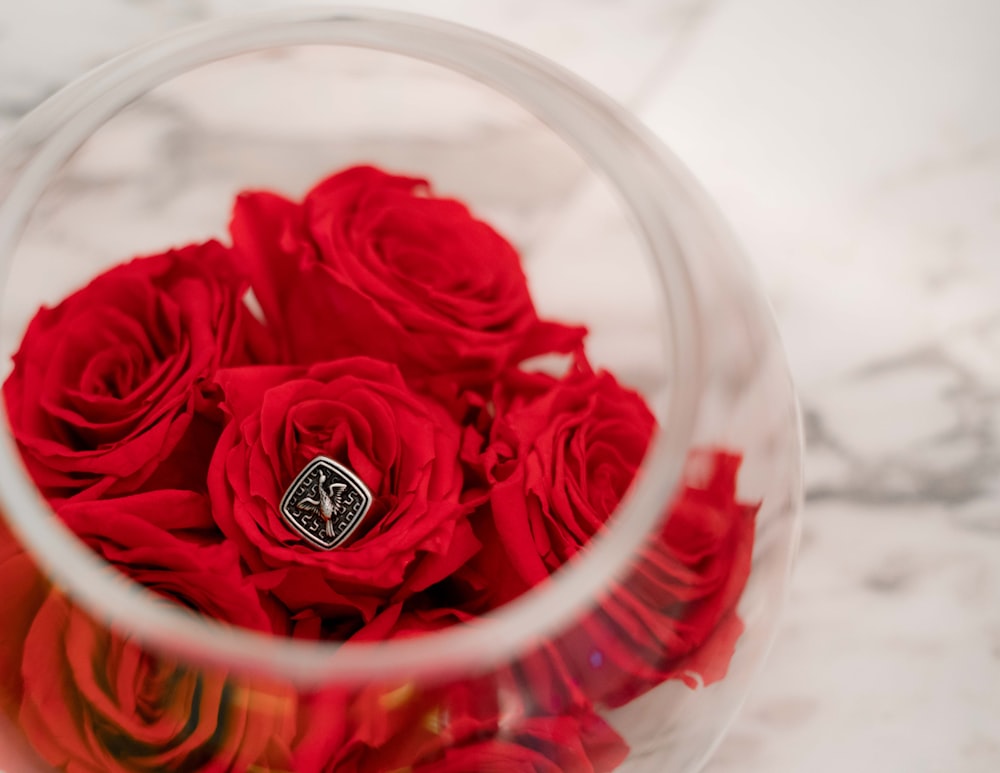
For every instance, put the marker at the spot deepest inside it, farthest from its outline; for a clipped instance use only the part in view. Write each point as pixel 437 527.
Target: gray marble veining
pixel 855 147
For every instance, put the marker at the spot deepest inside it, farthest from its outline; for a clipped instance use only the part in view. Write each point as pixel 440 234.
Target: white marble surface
pixel 855 147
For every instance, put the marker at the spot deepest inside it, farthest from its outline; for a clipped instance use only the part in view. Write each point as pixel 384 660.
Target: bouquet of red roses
pixel 330 430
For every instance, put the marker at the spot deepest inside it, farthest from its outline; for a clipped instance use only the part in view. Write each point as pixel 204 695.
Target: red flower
pixel 545 744
pixel 404 448
pixel 374 264
pixel 167 541
pixel 674 615
pixel 107 385
pixel 484 725
pixel 563 453
pixel 561 456
pixel 96 702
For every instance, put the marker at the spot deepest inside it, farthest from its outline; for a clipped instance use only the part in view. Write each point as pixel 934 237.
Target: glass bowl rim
pixel 608 138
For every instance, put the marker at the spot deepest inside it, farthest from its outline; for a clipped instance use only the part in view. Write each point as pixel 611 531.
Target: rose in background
pixel 478 726
pixel 373 263
pixel 95 701
pixel 483 724
pixel 110 389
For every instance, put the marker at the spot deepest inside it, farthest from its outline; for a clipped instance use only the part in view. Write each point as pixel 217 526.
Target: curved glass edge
pixel 615 145
pixel 698 204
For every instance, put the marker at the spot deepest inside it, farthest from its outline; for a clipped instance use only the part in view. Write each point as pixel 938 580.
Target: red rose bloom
pixel 95 702
pixel 372 263
pixel 674 615
pixel 107 385
pixel 484 725
pixel 562 455
pixel 492 723
pixel 167 541
pixel 555 744
pixel 404 448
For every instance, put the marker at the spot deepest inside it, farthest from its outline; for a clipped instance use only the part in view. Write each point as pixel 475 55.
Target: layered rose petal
pixel 107 390
pixel 167 541
pixel 374 264
pixel 403 446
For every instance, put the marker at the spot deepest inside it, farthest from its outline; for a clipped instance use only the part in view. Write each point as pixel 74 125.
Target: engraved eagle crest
pixel 330 502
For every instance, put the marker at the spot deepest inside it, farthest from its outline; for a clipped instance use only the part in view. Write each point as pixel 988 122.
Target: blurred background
pixel 854 146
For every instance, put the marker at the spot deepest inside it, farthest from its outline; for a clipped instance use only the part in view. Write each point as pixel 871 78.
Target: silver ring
pixel 326 503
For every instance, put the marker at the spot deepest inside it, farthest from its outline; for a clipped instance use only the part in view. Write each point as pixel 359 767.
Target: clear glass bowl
pixel 148 151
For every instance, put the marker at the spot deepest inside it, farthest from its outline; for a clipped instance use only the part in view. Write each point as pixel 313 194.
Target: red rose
pixel 374 264
pixel 480 725
pixel 107 385
pixel 557 744
pixel 674 615
pixel 403 447
pixel 95 702
pixel 562 455
pixel 167 541
pixel 487 724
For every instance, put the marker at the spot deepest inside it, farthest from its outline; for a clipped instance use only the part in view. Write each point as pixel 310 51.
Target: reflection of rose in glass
pixel 482 725
pixel 485 724
pixel 556 744
pixel 95 702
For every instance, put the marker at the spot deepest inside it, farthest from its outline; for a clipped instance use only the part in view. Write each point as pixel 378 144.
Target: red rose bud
pixel 404 448
pixel 107 386
pixel 374 264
